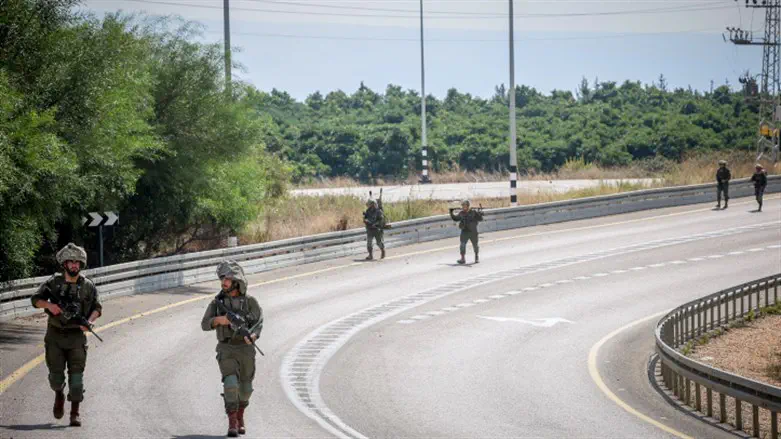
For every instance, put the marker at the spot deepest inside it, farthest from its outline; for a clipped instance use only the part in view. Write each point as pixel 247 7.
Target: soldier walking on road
pixel 723 177
pixel 68 298
pixel 374 219
pixel 235 354
pixel 467 221
pixel 760 182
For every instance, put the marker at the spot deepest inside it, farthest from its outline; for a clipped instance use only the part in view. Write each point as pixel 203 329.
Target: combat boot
pixel 382 255
pixel 59 404
pixel 462 260
pixel 725 204
pixel 240 419
pixel 718 206
pixel 370 257
pixel 233 424
pixel 75 419
pixel 477 259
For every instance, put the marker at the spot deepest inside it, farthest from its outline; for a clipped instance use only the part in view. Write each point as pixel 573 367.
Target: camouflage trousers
pixel 467 236
pixel 722 188
pixel 759 192
pixel 237 367
pixel 376 234
pixel 66 348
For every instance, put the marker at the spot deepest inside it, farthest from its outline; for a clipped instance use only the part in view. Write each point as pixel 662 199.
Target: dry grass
pixel 302 216
pixel 752 350
pixel 702 168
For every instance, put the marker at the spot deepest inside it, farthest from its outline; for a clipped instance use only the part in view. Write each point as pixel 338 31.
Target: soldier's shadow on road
pixel 32 427
pixel 458 265
pixel 198 436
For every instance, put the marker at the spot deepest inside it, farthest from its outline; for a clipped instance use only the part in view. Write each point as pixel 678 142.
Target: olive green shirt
pixel 57 290
pixel 245 306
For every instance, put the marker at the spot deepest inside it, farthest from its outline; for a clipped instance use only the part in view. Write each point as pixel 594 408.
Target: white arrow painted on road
pixel 96 219
pixel 112 218
pixel 544 323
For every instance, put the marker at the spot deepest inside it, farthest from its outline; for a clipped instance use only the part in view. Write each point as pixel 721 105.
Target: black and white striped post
pixel 423 143
pixel 513 156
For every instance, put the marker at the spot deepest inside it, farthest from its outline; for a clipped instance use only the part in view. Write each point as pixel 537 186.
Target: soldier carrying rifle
pixel 468 219
pixel 374 220
pixel 238 320
pixel 72 303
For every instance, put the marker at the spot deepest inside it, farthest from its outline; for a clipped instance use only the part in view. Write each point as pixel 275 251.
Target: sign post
pixel 99 221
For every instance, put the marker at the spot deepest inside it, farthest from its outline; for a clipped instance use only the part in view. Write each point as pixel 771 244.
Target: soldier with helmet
pixel 65 340
pixel 374 220
pixel 235 353
pixel 723 177
pixel 468 220
pixel 760 183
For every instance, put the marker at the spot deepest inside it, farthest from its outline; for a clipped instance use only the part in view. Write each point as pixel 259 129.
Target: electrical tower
pixel 767 94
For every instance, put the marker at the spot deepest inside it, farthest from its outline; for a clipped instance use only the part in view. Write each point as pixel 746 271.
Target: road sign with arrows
pixel 100 219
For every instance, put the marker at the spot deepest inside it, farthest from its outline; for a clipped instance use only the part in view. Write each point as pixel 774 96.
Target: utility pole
pixel 513 156
pixel 227 29
pixel 768 93
pixel 424 144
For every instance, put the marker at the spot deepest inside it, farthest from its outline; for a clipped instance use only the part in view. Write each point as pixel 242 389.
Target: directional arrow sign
pixel 96 219
pixel 111 218
pixel 544 323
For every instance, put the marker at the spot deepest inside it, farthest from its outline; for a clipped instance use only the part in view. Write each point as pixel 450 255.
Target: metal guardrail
pixel 702 317
pixel 191 268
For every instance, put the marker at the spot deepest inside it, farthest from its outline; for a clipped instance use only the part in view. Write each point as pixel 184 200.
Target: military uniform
pixel 468 222
pixel 235 358
pixel 723 177
pixel 374 219
pixel 760 183
pixel 65 343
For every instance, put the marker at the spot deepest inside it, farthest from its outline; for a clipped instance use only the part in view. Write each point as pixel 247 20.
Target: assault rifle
pixel 238 323
pixel 71 312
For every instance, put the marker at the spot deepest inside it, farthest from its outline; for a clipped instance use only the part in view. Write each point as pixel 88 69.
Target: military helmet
pixel 463 202
pixel 722 162
pixel 758 166
pixel 371 202
pixel 232 270
pixel 72 252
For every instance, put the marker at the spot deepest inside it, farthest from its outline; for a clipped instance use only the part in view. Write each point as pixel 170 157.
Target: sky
pixel 303 46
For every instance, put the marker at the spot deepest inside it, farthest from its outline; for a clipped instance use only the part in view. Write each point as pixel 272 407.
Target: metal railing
pixel 707 316
pixel 191 268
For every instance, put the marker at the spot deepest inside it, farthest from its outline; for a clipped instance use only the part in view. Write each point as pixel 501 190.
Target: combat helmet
pixel 465 202
pixel 371 202
pixel 72 252
pixel 232 270
pixel 723 162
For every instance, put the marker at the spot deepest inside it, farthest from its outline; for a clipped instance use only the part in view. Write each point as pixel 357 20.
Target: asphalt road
pixel 497 349
pixel 458 191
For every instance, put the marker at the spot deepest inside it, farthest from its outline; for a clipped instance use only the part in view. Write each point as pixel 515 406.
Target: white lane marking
pixel 755 250
pixel 695 259
pixel 465 305
pixel 661 264
pixel 637 268
pixel 513 293
pixel 774 246
pixel 449 308
pixel 436 313
pixel 600 274
pixel 583 278
pixel 715 256
pixel 736 253
pixel 481 301
pixel 546 285
pixel 403 322
pixel 497 296
pixel 618 271
pixel 543 323
pixel 678 262
pixel 529 288
pixel 564 281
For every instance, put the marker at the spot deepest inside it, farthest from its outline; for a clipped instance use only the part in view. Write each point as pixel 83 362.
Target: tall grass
pixel 306 215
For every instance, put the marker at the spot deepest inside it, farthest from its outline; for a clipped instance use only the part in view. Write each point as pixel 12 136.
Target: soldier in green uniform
pixel 760 183
pixel 374 219
pixel 723 177
pixel 235 354
pixel 467 221
pixel 65 341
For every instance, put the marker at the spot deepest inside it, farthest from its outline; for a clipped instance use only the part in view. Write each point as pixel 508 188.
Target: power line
pixel 434 40
pixel 476 14
pixel 554 15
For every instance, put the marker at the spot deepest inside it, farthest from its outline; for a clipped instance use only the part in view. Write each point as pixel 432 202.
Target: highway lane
pixel 158 376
